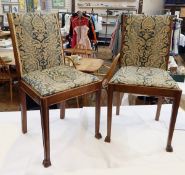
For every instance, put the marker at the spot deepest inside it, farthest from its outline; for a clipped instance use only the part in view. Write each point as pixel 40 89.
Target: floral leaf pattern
pixel 39 41
pixel 144 76
pixel 57 79
pixel 146 41
pixel 145 52
pixel 39 47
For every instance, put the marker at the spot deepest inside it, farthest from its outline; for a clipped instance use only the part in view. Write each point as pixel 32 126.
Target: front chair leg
pixel 175 107
pixel 45 132
pixel 118 103
pixel 109 114
pixel 62 110
pixel 159 104
pixel 97 115
pixel 23 111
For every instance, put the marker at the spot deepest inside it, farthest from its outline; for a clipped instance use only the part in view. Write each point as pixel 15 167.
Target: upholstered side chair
pixel 143 63
pixel 43 76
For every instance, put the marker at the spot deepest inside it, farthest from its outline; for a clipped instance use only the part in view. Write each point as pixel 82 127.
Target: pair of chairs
pixel 47 80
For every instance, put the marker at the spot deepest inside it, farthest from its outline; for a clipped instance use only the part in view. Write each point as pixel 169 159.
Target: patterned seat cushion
pixel 144 76
pixel 57 79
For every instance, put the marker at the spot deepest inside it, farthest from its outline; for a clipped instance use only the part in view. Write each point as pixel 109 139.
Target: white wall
pixel 153 7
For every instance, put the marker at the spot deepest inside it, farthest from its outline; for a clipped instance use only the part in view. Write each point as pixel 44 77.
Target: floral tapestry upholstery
pixel 146 41
pixel 144 76
pixel 57 79
pixel 38 41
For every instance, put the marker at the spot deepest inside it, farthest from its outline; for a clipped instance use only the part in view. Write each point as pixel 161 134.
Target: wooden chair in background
pixel 80 50
pixel 6 76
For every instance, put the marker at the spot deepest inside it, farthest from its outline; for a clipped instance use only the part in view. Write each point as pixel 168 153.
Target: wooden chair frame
pixel 174 94
pixel 46 101
pixel 151 91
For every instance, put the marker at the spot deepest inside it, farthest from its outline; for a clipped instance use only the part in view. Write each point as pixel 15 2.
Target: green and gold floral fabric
pixel 144 76
pixel 57 79
pixel 146 41
pixel 38 41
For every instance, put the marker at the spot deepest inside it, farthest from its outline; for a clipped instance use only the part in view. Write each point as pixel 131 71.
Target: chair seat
pixel 57 79
pixel 144 76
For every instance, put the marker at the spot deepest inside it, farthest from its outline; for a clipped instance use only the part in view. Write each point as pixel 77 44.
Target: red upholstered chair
pixel 39 57
pixel 143 62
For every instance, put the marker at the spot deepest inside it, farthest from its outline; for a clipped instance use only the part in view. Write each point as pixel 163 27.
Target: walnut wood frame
pixel 152 91
pixel 175 94
pixel 46 101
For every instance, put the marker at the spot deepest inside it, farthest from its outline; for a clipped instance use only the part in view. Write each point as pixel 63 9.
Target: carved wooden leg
pixel 45 132
pixel 23 111
pixel 118 103
pixel 175 107
pixel 109 113
pixel 159 104
pixel 97 117
pixel 62 110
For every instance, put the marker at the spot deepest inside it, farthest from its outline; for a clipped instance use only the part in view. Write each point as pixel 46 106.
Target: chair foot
pixel 169 148
pixel 98 135
pixel 24 131
pixel 107 139
pixel 46 163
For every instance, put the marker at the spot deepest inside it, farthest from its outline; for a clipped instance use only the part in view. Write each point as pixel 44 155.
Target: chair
pixel 143 62
pixel 80 50
pixel 5 75
pixel 43 76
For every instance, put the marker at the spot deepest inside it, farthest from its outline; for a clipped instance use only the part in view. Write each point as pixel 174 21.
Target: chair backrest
pixel 36 41
pixel 82 51
pixel 146 40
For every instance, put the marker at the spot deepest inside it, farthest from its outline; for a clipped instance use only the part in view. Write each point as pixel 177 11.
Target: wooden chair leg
pixel 11 92
pixel 85 100
pixel 109 114
pixel 175 108
pixel 23 111
pixel 77 102
pixel 159 104
pixel 45 132
pixel 62 110
pixel 97 115
pixel 118 103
